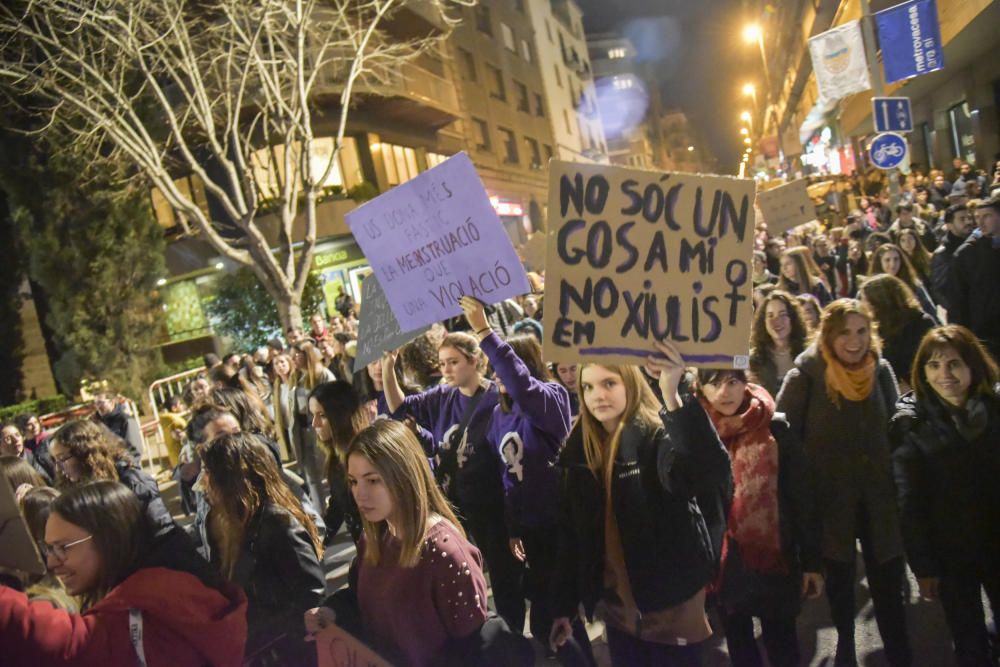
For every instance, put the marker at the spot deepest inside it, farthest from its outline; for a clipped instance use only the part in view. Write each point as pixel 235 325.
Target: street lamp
pixel 690 149
pixel 749 89
pixel 744 131
pixel 745 116
pixel 746 140
pixel 752 33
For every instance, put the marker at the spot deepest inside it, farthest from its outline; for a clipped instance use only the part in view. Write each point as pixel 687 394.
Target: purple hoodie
pixel 527 439
pixel 471 477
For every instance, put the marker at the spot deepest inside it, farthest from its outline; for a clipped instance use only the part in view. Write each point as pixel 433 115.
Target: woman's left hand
pixel 669 368
pixel 475 313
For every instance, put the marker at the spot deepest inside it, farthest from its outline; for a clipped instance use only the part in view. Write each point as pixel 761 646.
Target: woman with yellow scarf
pixel 839 399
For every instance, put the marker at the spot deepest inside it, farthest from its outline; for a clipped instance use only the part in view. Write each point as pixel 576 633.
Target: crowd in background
pixel 646 496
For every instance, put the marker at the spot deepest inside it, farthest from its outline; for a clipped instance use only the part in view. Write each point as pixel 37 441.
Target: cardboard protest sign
pixel 378 330
pixel 636 256
pixel 434 239
pixel 17 548
pixel 786 206
pixel 338 648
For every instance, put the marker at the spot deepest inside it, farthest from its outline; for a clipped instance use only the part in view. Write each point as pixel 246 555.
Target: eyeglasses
pixel 58 551
pixel 62 459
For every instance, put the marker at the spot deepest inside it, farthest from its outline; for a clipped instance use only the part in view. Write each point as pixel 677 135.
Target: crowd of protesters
pixel 474 477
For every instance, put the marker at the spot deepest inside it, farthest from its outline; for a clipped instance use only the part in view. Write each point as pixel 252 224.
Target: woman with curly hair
pixel 85 451
pixel 889 258
pixel 800 275
pixel 901 322
pixel 420 362
pixel 779 334
pixel 266 544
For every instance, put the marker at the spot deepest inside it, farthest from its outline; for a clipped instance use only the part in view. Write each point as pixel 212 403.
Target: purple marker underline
pixel 633 352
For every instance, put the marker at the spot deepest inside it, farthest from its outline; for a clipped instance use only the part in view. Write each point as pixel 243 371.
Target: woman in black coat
pixel 947 467
pixel 632 536
pixel 901 322
pixel 839 399
pixel 263 541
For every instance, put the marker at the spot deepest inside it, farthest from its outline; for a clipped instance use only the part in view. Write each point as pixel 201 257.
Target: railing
pixel 409 80
pixel 162 389
pixel 54 420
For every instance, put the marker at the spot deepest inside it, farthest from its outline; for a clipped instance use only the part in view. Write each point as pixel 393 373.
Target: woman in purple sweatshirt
pixel 528 427
pixel 458 413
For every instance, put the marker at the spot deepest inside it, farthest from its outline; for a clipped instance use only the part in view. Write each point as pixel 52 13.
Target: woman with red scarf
pixel 770 557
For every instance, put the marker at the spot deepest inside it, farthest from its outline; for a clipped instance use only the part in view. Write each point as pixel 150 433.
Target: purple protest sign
pixel 434 239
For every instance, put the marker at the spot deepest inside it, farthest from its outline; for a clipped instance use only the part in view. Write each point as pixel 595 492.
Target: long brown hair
pixel 313 372
pixel 807 272
pixel 94 447
pixel 243 476
pixel 347 415
pixel 891 301
pixel 906 272
pixel 113 516
pixel 983 367
pixel 393 450
pixel 601 447
pixel 18 471
pixel 920 260
pixel 760 339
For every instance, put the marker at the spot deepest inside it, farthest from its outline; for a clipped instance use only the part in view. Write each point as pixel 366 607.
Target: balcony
pixel 408 94
pixel 416 19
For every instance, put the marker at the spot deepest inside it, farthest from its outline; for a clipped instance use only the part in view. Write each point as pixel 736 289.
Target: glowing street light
pixel 745 116
pixel 746 140
pixel 749 89
pixel 752 33
pixel 690 149
pixel 744 131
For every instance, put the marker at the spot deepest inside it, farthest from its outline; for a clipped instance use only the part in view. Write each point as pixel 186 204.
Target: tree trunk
pixel 290 310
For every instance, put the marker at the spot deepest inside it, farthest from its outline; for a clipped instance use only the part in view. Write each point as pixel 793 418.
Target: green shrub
pixel 39 406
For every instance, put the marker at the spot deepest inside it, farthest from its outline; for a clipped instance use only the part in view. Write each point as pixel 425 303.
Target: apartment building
pixel 568 81
pixel 955 110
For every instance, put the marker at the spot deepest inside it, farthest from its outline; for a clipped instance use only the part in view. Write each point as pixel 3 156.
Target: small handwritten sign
pixel 435 239
pixel 786 206
pixel 337 648
pixel 636 256
pixel 378 330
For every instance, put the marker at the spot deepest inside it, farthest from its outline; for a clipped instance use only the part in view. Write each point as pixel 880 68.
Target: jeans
pixel 629 651
pixel 777 633
pixel 963 609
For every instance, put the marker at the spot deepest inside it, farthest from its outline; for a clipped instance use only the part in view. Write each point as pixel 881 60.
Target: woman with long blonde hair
pixel 419 584
pixel 633 537
pixel 267 544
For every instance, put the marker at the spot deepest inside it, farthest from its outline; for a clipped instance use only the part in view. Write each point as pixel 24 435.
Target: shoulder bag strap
pixel 135 635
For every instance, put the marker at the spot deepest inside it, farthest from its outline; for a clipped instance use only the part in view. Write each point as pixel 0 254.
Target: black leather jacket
pixel 658 473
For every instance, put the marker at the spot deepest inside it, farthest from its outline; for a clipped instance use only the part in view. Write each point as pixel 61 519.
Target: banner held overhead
pixel 637 256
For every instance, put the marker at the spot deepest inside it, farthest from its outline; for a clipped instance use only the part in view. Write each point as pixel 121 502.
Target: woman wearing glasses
pixel 155 608
pixel 85 451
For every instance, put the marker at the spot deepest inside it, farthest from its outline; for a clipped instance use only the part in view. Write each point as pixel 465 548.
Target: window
pixel 534 155
pixel 569 128
pixel 483 19
pixel 548 30
pixel 523 103
pixel 616 53
pixel 509 145
pixel 481 132
pixel 400 163
pixel 519 5
pixel 525 50
pixel 268 165
pixel 468 65
pixel 558 75
pixel 572 96
pixel 539 106
pixel 499 90
pixel 548 152
pixel 508 37
pixel 434 159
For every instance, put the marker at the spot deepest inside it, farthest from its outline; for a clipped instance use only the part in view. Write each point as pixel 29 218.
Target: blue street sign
pixel 888 150
pixel 892 114
pixel 910 37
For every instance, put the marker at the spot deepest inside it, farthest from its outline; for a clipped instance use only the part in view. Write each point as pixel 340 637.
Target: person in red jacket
pixel 146 601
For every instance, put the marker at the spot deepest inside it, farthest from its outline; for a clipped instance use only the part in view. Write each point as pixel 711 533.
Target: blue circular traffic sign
pixel 888 150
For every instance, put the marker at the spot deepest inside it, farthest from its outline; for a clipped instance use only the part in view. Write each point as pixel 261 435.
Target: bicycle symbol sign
pixel 887 150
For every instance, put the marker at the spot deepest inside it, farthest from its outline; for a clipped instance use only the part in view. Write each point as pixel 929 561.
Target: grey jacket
pixel 847 456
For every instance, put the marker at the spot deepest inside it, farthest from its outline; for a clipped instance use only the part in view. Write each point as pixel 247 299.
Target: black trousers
pixel 885 582
pixel 540 546
pixel 488 530
pixel 963 609
pixel 777 632
pixel 629 651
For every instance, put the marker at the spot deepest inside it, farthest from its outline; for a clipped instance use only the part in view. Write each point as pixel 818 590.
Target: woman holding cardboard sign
pixel 632 537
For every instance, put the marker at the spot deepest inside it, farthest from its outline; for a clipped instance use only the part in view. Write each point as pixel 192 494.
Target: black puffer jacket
pixel 148 492
pixel 948 488
pixel 657 474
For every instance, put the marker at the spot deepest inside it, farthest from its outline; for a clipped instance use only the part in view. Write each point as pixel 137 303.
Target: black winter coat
pixel 975 299
pixel 901 348
pixel 657 475
pixel 948 488
pixel 148 492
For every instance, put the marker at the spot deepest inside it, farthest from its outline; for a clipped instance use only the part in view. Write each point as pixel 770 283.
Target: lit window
pixel 434 159
pixel 400 163
pixel 508 37
pixel 525 50
pixel 616 53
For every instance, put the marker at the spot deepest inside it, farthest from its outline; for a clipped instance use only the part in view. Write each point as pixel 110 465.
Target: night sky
pixel 697 51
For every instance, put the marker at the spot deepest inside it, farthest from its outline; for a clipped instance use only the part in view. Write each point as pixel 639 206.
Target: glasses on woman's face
pixel 61 460
pixel 58 551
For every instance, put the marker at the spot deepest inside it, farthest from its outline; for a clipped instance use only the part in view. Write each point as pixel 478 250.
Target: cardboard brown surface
pixel 634 256
pixel 338 648
pixel 786 207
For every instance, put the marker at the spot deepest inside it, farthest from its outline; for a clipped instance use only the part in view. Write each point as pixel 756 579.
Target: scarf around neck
pixel 852 384
pixel 753 522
